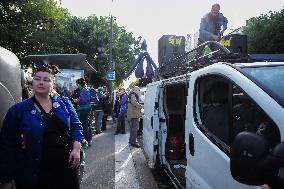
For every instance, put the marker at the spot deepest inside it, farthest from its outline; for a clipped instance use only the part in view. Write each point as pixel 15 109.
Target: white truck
pixel 218 127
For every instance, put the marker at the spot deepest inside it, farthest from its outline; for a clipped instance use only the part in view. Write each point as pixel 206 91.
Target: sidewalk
pixel 125 174
pixel 112 163
pixel 131 169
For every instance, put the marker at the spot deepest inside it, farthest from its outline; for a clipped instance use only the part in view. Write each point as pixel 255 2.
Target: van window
pixel 222 110
pixel 248 116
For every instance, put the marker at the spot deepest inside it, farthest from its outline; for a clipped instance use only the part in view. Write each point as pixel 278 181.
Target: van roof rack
pixel 191 61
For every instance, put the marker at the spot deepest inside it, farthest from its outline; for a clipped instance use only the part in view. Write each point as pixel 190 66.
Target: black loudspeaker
pixel 170 46
pixel 144 81
pixel 236 43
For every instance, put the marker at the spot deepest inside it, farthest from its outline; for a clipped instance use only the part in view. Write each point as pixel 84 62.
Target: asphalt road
pixel 100 158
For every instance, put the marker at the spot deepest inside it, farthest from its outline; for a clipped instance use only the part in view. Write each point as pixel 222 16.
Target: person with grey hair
pixel 210 27
pixel 211 23
pixel 133 115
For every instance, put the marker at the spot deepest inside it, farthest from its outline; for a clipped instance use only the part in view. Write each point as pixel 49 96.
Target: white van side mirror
pixel 247 150
pixel 252 162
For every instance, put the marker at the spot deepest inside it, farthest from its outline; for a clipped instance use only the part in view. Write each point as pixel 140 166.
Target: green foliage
pixel 132 84
pixel 30 26
pixel 266 33
pixel 43 27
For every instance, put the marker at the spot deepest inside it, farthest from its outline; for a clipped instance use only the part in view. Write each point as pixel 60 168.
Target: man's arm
pixel 135 103
pixel 224 21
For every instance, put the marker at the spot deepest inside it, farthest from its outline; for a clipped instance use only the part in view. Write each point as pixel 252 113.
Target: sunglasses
pixel 47 67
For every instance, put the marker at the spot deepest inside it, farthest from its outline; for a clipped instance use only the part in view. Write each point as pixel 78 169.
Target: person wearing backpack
pixel 123 109
pixel 83 108
pixel 94 102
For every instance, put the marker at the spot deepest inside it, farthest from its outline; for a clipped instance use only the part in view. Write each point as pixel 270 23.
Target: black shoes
pixel 90 143
pixel 136 145
pixel 116 132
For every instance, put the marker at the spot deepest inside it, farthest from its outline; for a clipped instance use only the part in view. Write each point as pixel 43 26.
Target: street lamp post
pixel 111 63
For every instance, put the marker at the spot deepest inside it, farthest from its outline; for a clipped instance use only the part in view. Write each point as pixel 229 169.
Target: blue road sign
pixel 110 75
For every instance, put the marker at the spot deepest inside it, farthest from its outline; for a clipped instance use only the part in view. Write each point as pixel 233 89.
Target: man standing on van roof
pixel 210 26
pixel 134 115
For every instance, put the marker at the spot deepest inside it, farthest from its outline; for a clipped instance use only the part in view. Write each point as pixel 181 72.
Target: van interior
pixel 174 108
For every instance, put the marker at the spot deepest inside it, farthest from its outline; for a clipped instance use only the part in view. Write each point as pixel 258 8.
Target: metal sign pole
pixel 111 63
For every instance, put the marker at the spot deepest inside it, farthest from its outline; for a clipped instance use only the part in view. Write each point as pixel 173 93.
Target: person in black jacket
pixel 99 111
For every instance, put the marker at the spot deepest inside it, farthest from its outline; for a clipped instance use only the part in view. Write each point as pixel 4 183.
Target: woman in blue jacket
pixel 41 138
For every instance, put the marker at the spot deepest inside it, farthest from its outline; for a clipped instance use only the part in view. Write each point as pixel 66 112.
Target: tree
pixel 43 27
pixel 31 26
pixel 266 33
pixel 91 36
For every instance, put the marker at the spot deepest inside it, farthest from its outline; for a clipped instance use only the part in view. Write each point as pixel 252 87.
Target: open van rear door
pixel 151 122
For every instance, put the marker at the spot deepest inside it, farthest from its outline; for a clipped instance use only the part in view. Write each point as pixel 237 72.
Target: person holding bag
pixel 41 137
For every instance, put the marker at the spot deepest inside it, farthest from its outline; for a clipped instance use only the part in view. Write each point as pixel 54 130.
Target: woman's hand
pixel 75 155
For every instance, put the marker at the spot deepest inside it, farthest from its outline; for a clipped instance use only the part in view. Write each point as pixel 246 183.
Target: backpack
pixel 94 100
pixel 124 106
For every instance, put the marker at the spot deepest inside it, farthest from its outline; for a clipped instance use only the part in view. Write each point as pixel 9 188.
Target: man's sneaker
pixel 123 132
pixel 116 133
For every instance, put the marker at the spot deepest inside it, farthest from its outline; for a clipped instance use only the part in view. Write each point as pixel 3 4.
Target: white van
pixel 142 94
pixel 218 127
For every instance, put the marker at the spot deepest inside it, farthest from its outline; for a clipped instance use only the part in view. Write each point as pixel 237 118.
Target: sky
pixel 151 19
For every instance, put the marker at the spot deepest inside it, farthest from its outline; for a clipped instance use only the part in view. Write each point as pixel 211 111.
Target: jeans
pixel 134 123
pixel 98 120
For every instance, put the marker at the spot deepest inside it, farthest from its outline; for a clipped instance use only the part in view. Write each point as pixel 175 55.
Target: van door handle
pixel 191 144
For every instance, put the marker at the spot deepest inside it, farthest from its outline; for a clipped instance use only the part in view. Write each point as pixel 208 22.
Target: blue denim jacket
pixel 207 27
pixel 21 138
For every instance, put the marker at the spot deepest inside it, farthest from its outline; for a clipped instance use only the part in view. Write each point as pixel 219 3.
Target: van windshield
pixel 270 78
